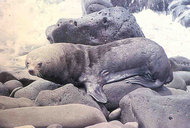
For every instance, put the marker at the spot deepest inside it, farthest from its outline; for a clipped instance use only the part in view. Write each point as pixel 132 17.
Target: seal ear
pixel 96 92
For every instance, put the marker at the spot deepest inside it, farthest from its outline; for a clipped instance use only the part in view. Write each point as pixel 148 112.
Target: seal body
pixel 138 60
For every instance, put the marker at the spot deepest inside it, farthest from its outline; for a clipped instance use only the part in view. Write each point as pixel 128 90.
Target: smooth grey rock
pixel 69 116
pixel 131 125
pixel 180 63
pixel 115 114
pixel 68 94
pixel 8 102
pixel 31 91
pixel 12 84
pixel 151 110
pixel 90 6
pixel 4 91
pixel 177 83
pixel 184 75
pixel 55 126
pixel 112 124
pixel 110 24
pixel 116 91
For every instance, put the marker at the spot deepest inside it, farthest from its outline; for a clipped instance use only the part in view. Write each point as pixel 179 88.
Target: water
pixel 23 24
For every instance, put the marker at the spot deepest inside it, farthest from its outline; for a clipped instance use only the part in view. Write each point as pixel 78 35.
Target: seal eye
pixel 39 64
pixel 27 63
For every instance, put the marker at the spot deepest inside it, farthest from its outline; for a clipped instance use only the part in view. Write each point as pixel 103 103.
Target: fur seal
pixel 139 60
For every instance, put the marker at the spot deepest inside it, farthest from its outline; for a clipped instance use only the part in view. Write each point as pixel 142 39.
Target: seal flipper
pixel 114 77
pixel 146 82
pixel 96 92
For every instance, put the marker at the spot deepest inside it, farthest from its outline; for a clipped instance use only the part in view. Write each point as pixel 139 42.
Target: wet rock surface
pixel 110 24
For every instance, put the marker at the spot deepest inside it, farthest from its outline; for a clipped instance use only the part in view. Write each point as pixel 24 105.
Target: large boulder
pixel 69 116
pixel 4 91
pixel 116 91
pixel 31 91
pixel 90 6
pixel 8 102
pixel 68 94
pixel 152 110
pixel 110 24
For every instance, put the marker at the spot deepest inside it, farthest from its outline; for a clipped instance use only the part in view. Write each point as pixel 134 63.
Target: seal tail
pixel 145 82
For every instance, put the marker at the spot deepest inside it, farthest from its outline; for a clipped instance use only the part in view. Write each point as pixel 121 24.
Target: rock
pixel 177 83
pixel 132 5
pixel 4 91
pixel 188 89
pixel 26 126
pixel 176 3
pixel 31 91
pixel 115 115
pixel 138 5
pixel 90 6
pixel 158 5
pixel 185 20
pixel 6 76
pixel 55 126
pixel 69 116
pixel 180 63
pixel 116 91
pixel 112 124
pixel 24 77
pixel 68 94
pixel 12 84
pixel 184 75
pixel 165 91
pixel 131 125
pixel 14 91
pixel 8 102
pixel 151 110
pixel 110 24
pixel 178 11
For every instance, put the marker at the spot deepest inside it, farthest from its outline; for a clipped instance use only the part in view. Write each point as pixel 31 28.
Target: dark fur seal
pixel 140 60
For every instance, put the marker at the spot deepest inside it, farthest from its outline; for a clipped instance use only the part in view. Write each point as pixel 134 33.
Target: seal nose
pixel 31 71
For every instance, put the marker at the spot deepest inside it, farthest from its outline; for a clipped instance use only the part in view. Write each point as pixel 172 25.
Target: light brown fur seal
pixel 139 60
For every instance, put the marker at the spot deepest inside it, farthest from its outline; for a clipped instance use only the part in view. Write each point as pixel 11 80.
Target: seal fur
pixel 138 60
